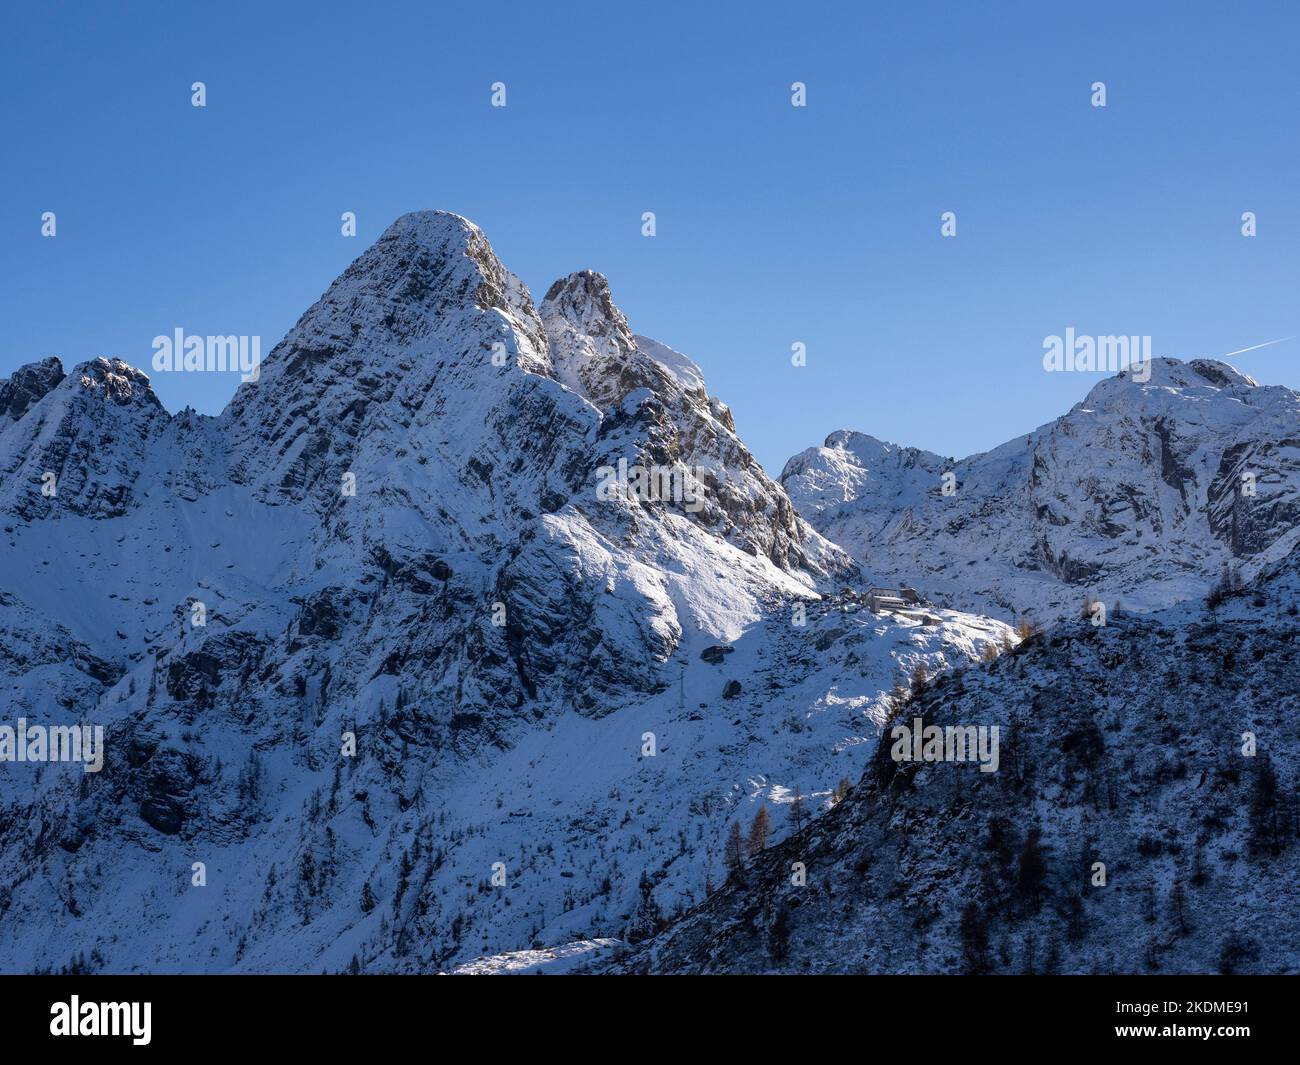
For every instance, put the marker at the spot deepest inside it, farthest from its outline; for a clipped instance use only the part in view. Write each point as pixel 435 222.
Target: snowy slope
pixel 1138 495
pixel 395 534
pixel 1127 829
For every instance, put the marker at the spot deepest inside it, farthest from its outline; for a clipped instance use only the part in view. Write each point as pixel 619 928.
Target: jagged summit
pixel 428 302
pixel 591 346
pixel 431 225
pixel 28 384
pixel 1221 373
pixel 1141 493
pixel 410 528
pixel 850 466
pixel 426 265
pixel 584 299
pixel 1164 373
pixel 866 449
pixel 77 442
pixel 110 379
pixel 595 354
pixel 116 381
pixel 434 260
pixel 589 333
pixel 1197 377
pixel 579 286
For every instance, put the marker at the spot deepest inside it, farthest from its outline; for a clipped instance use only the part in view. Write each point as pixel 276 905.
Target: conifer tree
pixel 920 678
pixel 797 809
pixel 734 852
pixel 1032 869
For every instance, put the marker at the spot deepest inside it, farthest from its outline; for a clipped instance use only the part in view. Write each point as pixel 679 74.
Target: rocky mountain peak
pixel 1193 462
pixel 1197 378
pixel 80 440
pixel 426 265
pixel 115 381
pixel 583 299
pixel 1222 374
pixel 428 302
pixel 591 346
pixel 633 378
pixel 487 552
pixel 27 385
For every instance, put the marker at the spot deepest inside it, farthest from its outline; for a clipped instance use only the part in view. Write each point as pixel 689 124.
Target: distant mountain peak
pixel 28 384
pixel 1174 374
pixel 1143 491
pixel 116 381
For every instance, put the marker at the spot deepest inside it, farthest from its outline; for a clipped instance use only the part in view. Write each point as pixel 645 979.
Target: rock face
pixel 27 385
pixel 380 636
pixel 631 377
pixel 1143 493
pixel 75 444
pixel 1130 825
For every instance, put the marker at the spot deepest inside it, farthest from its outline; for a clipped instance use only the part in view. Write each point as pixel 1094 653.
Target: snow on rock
pixel 1141 495
pixel 1142 818
pixel 552 961
pixel 447 699
pixel 53 457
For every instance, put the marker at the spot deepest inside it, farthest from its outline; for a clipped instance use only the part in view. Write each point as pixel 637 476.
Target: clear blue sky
pixel 775 224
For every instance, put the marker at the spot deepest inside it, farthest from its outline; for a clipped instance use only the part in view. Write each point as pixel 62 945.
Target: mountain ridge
pixel 1126 833
pixel 394 543
pixel 1140 475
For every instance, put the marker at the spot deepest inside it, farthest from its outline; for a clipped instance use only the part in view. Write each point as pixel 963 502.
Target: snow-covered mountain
pixel 381 649
pixel 1141 494
pixel 1143 818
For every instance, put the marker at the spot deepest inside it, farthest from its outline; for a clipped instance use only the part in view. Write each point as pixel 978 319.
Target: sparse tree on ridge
pixel 920 678
pixel 1032 869
pixel 798 811
pixel 974 933
pixel 734 851
pixel 896 701
pixel 759 831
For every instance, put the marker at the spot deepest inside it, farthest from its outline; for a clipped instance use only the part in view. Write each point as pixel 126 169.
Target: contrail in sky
pixel 1255 347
